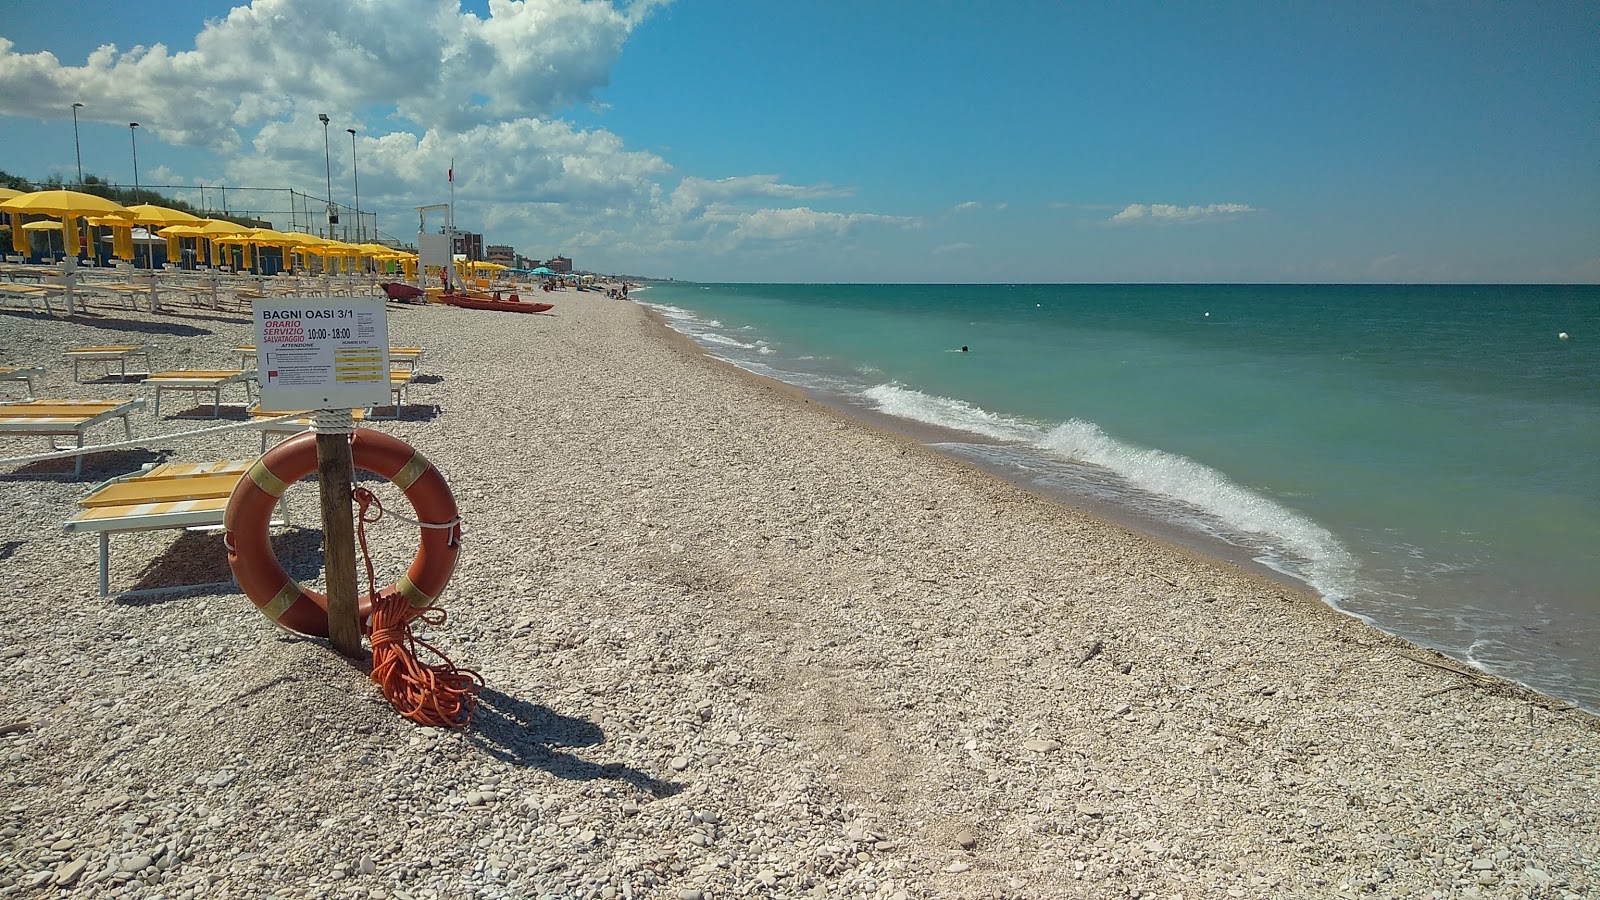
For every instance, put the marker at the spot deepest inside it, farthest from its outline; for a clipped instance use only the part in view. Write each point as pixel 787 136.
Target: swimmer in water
pixel 963 348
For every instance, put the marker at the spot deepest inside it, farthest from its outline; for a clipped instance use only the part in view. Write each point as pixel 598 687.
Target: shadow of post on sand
pixel 524 734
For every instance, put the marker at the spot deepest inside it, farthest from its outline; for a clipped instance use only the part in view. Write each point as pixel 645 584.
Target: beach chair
pixel 171 495
pixel 121 353
pixel 292 426
pixel 54 418
pixel 399 382
pixel 21 373
pixel 122 290
pixel 408 357
pixel 196 380
pixel 32 294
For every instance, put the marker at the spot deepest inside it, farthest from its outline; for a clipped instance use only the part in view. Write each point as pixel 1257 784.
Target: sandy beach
pixel 735 645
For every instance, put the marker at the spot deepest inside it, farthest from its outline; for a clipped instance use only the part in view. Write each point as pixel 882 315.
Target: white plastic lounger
pixel 173 495
pixel 65 417
pixel 202 380
pixel 121 353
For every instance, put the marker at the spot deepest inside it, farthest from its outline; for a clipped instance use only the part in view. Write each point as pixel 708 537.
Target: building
pixel 559 265
pixel 470 245
pixel 500 253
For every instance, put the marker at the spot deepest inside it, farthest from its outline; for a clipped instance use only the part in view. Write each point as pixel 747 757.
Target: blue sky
pixel 847 141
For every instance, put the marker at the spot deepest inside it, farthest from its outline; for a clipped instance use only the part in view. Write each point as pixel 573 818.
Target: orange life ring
pixel 249 511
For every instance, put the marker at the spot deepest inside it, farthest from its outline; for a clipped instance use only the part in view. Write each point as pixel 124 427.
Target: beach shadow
pixel 203 411
pixel 176 329
pixel 525 734
pixel 113 378
pixel 427 379
pixel 411 412
pixel 196 561
pixel 299 548
pixel 235 319
pixel 97 467
pixel 8 549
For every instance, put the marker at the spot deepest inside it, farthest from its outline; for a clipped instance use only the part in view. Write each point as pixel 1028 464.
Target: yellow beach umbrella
pixel 150 214
pixel 19 238
pixel 49 225
pixel 64 205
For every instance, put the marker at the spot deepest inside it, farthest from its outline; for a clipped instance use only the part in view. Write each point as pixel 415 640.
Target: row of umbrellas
pixel 66 207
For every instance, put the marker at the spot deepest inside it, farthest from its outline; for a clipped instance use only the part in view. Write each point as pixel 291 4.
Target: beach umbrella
pixel 48 225
pixel 19 238
pixel 211 229
pixel 150 214
pixel 64 205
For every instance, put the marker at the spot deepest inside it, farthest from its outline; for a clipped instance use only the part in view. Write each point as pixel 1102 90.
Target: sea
pixel 1423 457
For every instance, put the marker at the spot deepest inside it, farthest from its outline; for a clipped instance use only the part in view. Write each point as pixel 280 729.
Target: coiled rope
pixel 437 694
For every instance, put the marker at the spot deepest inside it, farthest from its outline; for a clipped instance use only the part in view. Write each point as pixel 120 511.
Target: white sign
pixel 322 353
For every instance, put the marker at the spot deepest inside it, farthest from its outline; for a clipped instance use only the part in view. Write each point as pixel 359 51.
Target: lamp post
pixel 133 131
pixel 75 145
pixel 327 162
pixel 134 139
pixel 355 175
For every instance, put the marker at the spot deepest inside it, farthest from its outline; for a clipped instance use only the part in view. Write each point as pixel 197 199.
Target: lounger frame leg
pixel 105 564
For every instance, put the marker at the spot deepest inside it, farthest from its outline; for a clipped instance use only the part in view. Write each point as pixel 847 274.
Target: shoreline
pixel 925 436
pixel 736 655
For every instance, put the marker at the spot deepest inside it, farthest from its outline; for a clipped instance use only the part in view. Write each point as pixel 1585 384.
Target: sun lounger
pixel 31 294
pixel 202 380
pixel 291 426
pixel 399 382
pixel 21 373
pixel 64 417
pixel 120 352
pixel 171 495
pixel 410 357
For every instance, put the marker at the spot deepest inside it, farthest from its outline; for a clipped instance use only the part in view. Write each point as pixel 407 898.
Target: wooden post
pixel 338 542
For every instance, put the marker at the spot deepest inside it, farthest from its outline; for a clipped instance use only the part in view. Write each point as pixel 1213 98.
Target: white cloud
pixel 963 207
pixel 434 84
pixel 437 66
pixel 1168 213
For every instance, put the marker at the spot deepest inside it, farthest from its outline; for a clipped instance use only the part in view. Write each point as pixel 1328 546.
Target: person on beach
pixel 963 348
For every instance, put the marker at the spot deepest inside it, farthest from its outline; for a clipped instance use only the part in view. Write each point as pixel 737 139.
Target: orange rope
pixel 440 695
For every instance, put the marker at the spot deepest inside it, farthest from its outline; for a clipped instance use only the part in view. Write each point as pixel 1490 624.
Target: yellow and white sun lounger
pixel 399 381
pixel 121 353
pixel 291 426
pixel 407 357
pixel 31 294
pixel 21 373
pixel 171 495
pixel 63 417
pixel 213 380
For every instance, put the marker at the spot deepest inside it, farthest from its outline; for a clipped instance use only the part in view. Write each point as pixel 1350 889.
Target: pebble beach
pixel 734 644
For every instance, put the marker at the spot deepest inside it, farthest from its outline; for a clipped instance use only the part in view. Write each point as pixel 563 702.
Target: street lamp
pixel 75 145
pixel 133 139
pixel 327 162
pixel 356 176
pixel 133 131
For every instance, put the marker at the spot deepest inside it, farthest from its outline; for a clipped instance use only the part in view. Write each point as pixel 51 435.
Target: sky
pixel 841 141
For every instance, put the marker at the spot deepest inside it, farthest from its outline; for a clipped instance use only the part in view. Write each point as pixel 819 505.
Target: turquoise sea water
pixel 1424 457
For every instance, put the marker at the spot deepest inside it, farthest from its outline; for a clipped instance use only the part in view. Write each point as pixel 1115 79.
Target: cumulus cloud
pixel 963 207
pixel 436 65
pixel 1168 213
pixel 426 85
